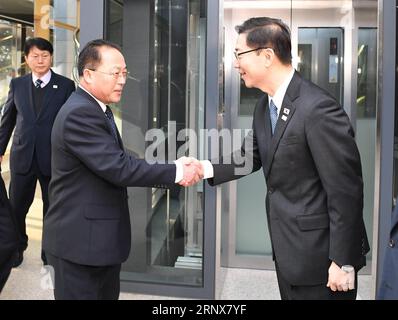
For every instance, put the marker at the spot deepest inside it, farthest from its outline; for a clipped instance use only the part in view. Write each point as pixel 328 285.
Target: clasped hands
pixel 193 171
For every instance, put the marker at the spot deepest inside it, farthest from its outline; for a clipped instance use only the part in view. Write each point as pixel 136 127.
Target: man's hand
pixel 339 280
pixel 193 171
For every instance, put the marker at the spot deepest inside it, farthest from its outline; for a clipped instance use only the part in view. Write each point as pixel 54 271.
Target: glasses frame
pixel 114 74
pixel 238 54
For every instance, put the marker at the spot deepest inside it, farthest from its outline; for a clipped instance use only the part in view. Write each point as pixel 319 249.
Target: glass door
pixel 334 46
pixel 162 113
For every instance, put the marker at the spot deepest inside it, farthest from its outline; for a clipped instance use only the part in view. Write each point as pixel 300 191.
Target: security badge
pixel 286 113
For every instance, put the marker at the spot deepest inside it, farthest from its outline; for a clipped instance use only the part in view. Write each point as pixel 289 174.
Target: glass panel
pixel 12 63
pixel 65 11
pixel 395 164
pixel 165 92
pixel 115 21
pixel 325 37
pixel 248 99
pixel 366 117
pixel 64 52
pixel 320 57
pixel 367 73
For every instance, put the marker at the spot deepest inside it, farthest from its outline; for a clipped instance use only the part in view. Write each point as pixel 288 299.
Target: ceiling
pixel 17 9
pixel 298 4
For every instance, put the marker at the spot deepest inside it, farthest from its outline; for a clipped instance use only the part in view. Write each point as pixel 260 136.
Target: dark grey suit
pixel 315 191
pixel 87 224
pixel 388 289
pixel 30 157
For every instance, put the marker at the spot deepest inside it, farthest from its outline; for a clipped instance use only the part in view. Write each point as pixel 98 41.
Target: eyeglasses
pixel 114 74
pixel 238 54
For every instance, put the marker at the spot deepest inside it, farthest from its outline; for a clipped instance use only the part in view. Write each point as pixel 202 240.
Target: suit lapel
pixel 285 115
pixel 52 88
pixel 30 103
pixel 88 96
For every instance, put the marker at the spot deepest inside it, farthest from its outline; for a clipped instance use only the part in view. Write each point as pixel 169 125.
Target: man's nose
pixel 121 80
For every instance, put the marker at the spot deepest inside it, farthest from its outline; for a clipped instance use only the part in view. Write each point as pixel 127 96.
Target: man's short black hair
pixel 90 56
pixel 268 32
pixel 39 43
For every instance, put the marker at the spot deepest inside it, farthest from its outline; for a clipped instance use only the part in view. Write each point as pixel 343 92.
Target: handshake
pixel 192 171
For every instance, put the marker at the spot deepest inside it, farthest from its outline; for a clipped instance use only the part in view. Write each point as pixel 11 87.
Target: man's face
pixel 39 61
pixel 109 77
pixel 250 65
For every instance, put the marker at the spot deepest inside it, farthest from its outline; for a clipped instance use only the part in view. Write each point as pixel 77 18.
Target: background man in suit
pixel 32 104
pixel 388 289
pixel 87 228
pixel 305 145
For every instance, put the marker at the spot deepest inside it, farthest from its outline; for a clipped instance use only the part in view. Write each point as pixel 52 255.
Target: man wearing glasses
pixel 304 143
pixel 32 104
pixel 86 232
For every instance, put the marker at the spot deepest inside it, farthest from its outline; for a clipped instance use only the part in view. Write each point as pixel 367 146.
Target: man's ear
pixel 88 76
pixel 269 57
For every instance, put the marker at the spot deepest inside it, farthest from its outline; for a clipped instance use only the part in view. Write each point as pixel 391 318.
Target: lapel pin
pixel 286 111
pixel 284 118
pixel 55 86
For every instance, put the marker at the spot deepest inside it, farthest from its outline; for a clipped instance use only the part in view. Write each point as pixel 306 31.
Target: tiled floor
pixel 30 280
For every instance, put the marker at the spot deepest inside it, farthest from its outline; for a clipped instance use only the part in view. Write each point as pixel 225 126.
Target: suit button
pixel 270 191
pixel 391 243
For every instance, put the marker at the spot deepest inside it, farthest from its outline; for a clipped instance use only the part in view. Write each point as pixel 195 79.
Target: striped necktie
pixel 274 115
pixel 38 83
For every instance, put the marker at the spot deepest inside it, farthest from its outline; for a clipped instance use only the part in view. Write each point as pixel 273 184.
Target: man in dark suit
pixel 9 237
pixel 388 289
pixel 303 141
pixel 86 233
pixel 32 104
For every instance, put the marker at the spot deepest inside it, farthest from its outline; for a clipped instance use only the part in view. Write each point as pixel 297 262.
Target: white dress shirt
pixel 45 79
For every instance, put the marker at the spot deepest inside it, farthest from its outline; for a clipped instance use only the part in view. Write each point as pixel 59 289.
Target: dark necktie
pixel 38 83
pixel 274 115
pixel 111 120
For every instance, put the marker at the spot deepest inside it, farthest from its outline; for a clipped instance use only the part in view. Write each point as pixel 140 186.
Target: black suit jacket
pixel 88 219
pixel 9 238
pixel 315 191
pixel 388 289
pixel 31 131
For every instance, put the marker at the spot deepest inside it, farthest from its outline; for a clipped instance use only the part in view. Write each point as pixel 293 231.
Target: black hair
pixel 39 43
pixel 90 56
pixel 268 32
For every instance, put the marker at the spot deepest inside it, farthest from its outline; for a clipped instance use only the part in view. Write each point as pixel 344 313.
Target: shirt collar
pixel 281 91
pixel 46 78
pixel 102 105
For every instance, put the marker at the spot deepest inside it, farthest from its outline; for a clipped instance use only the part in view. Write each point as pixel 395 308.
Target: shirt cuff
pixel 208 171
pixel 179 171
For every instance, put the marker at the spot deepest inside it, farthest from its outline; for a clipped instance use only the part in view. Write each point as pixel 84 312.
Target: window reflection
pixel 12 63
pixel 168 94
pixel 367 72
